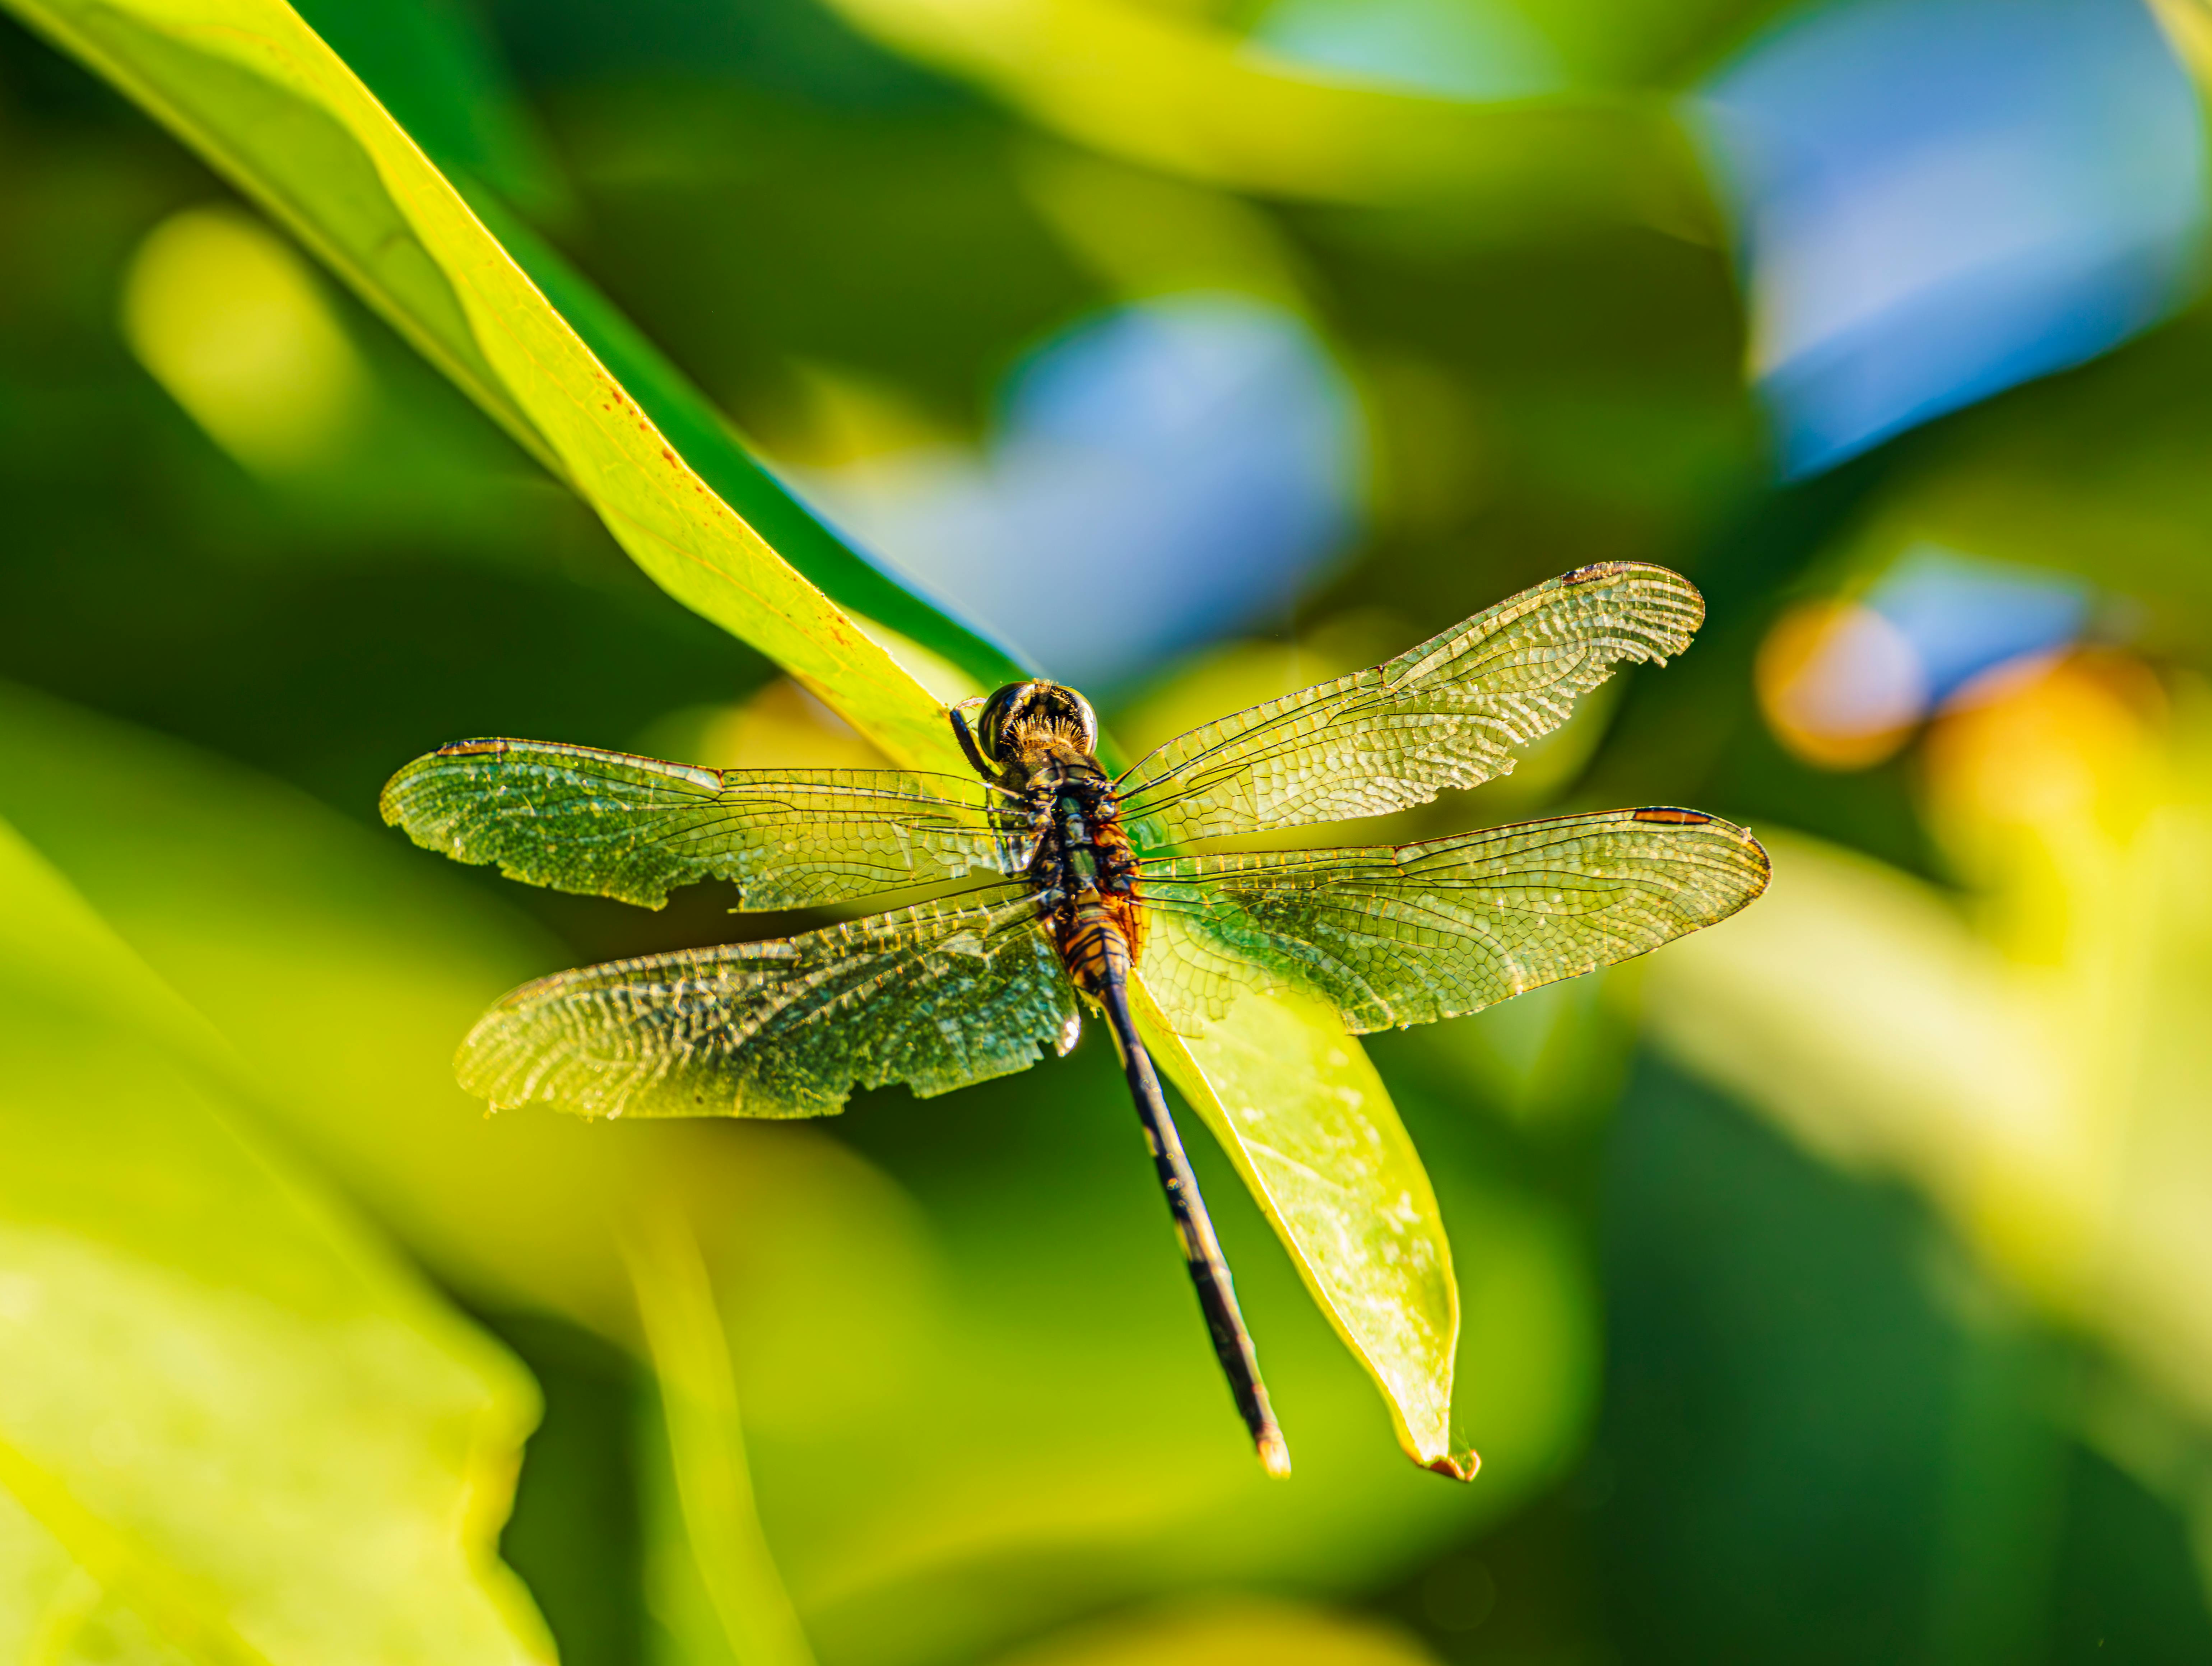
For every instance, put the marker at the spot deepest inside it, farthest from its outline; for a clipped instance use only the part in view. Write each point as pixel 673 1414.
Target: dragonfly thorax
pixel 1084 865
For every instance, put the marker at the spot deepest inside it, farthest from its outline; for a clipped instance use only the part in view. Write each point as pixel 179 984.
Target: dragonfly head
pixel 1031 707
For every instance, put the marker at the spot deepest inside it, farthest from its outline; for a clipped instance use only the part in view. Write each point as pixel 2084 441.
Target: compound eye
pixel 1090 718
pixel 1001 709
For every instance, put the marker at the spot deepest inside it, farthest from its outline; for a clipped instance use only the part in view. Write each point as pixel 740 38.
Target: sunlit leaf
pixel 266 101
pixel 1183 97
pixel 433 66
pixel 2189 24
pixel 730 1561
pixel 1311 1129
pixel 231 1428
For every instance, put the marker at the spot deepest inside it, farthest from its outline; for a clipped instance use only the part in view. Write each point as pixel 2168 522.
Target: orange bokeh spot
pixel 2072 738
pixel 1839 684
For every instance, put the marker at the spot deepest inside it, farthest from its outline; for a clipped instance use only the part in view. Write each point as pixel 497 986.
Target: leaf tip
pixel 1460 1466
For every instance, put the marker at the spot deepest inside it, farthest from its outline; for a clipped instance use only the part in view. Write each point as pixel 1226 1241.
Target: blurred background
pixel 1837 1284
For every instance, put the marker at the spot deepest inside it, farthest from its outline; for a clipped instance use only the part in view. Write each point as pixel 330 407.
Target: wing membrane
pixel 1398 936
pixel 612 825
pixel 1442 714
pixel 931 996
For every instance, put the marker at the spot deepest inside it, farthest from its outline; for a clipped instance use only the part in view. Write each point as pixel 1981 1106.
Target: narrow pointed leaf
pixel 247 84
pixel 1298 1107
pixel 731 1564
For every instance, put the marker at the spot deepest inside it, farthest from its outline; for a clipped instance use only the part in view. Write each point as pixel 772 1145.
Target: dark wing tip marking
pixel 1666 815
pixel 472 749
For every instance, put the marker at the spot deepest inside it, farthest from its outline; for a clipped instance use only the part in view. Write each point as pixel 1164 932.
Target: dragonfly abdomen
pixel 1092 948
pixel 1094 945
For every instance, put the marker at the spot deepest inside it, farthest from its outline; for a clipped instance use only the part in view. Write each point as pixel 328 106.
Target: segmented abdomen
pixel 1094 947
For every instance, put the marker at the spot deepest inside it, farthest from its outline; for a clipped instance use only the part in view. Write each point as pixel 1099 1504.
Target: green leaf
pixel 231 1428
pixel 257 94
pixel 434 68
pixel 1172 93
pixel 1298 1107
pixel 263 99
pixel 729 1560
pixel 439 82
pixel 2188 23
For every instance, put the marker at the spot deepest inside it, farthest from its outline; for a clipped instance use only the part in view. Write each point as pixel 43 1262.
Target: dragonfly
pixel 1060 885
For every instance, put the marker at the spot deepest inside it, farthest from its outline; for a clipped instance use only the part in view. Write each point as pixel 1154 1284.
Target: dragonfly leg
pixel 1209 1269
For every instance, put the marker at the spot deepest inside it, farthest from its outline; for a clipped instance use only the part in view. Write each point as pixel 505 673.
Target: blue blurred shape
pixel 1464 49
pixel 1964 616
pixel 1163 472
pixel 1939 198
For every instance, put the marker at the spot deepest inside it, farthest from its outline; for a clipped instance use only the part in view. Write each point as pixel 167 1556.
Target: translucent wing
pixel 612 825
pixel 1442 714
pixel 1429 931
pixel 932 996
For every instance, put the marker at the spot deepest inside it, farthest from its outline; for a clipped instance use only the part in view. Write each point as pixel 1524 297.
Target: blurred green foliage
pixel 235 1429
pixel 1854 1315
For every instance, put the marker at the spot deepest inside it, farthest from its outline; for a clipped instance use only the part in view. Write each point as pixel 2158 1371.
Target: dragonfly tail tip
pixel 1274 1454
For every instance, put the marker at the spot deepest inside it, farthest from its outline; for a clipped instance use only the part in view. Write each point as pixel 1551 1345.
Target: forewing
pixel 1398 936
pixel 932 996
pixel 1446 713
pixel 612 825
